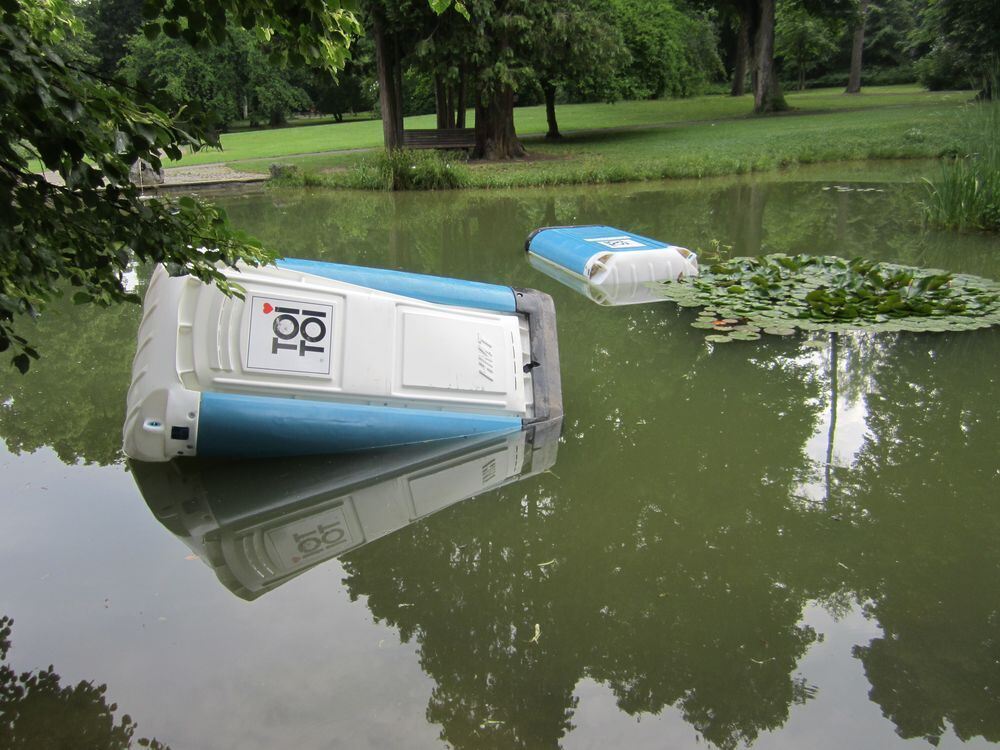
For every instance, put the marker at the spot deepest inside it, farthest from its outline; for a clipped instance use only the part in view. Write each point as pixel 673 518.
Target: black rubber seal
pixel 540 311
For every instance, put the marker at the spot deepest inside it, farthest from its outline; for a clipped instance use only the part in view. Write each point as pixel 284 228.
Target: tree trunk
pixel 441 103
pixel 460 101
pixel 739 87
pixel 767 96
pixel 550 110
pixel 802 78
pixel 495 135
pixel 397 87
pixel 450 105
pixel 854 81
pixel 388 87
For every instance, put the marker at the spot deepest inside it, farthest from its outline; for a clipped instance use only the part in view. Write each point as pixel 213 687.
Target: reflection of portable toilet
pixel 614 266
pixel 259 524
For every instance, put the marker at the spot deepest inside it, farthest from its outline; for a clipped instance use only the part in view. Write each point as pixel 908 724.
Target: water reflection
pixel 687 588
pixel 704 500
pixel 38 711
pixel 258 525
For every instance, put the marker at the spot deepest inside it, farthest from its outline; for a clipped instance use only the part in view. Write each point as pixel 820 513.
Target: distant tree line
pixel 491 55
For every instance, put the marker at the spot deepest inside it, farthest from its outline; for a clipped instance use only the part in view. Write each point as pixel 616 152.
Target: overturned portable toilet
pixel 323 358
pixel 609 265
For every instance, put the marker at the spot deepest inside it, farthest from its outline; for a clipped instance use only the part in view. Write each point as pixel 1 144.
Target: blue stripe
pixel 572 247
pixel 256 426
pixel 437 289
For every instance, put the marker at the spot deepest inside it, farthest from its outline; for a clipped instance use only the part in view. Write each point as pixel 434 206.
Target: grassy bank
pixel 700 149
pixel 281 144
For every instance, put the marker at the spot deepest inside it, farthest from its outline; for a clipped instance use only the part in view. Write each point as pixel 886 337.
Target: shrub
pixel 405 169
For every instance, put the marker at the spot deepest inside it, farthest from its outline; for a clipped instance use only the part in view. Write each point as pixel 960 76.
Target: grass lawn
pixel 276 144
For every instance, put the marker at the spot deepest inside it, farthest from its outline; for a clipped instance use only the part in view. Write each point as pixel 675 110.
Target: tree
pixel 673 53
pixel 802 38
pixel 767 96
pixel 962 39
pixel 232 80
pixel 578 48
pixel 741 52
pixel 857 47
pixel 89 130
pixel 389 68
pixel 112 23
pixel 501 31
pixel 349 92
pixel 756 19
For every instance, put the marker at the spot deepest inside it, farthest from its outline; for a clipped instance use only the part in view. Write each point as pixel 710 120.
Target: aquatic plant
pixel 780 294
pixel 966 194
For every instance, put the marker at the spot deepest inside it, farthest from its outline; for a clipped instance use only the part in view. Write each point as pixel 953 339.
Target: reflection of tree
pixel 36 711
pixel 73 399
pixel 682 558
pixel 669 599
pixel 925 481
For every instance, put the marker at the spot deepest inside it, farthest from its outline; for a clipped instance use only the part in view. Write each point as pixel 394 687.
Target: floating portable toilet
pixel 327 358
pixel 606 294
pixel 609 265
pixel 259 524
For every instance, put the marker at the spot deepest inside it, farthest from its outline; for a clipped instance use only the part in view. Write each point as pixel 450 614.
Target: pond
pixel 784 543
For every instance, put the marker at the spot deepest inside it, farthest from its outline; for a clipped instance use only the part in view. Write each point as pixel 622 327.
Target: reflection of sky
pixel 838 716
pixel 848 438
pixel 117 601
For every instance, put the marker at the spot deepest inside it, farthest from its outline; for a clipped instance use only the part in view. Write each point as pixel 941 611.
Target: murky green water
pixel 787 543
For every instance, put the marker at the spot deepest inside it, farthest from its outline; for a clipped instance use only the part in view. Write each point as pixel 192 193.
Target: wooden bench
pixel 446 138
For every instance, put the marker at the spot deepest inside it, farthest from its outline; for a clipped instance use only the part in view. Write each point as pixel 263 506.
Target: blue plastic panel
pixel 572 247
pixel 437 289
pixel 235 425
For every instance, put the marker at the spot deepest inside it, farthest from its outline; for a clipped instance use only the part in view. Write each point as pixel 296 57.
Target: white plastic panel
pixel 641 266
pixel 452 351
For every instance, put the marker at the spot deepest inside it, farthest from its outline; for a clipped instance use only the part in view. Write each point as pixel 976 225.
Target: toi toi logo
pixel 297 329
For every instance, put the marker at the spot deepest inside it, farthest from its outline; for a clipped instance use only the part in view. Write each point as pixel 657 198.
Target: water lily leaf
pixel 837 294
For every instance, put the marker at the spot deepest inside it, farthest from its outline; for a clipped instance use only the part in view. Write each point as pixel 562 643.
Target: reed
pixel 966 194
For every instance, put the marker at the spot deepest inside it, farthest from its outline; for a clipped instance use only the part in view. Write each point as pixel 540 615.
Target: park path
pixel 202 175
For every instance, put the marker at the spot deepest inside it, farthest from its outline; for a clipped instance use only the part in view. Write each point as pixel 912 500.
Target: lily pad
pixel 781 292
